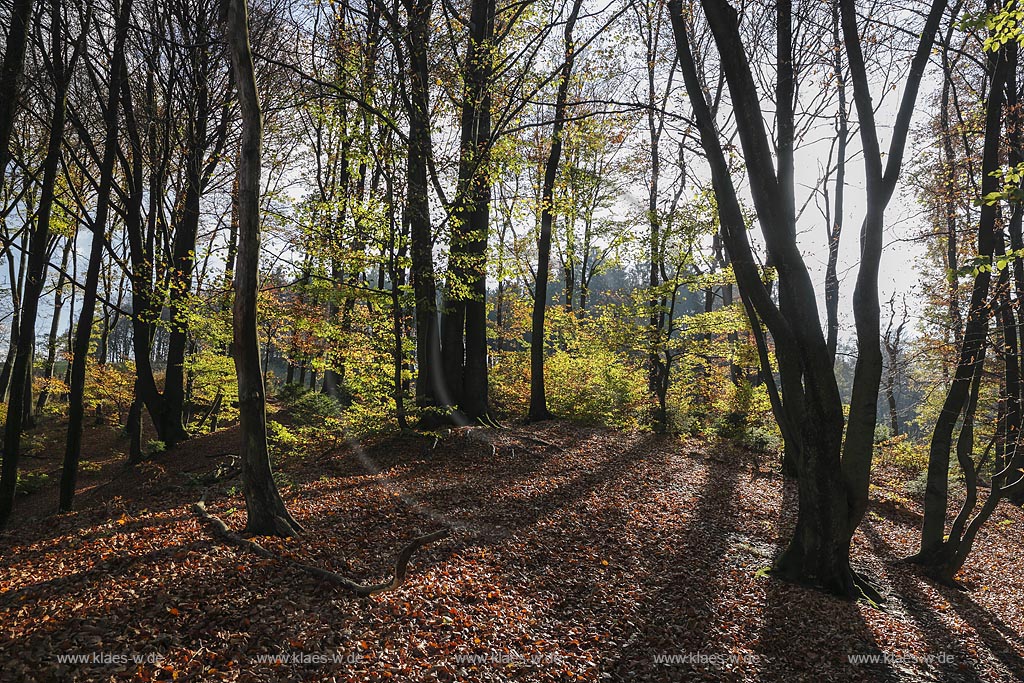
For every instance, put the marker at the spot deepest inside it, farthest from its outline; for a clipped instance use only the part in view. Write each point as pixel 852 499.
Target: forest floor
pixel 575 554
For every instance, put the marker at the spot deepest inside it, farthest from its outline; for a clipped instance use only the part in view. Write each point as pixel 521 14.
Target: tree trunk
pixel 972 351
pixel 464 320
pixel 182 265
pixel 19 406
pixel 943 555
pixel 430 388
pixel 10 74
pixel 51 340
pixel 835 228
pixel 832 483
pixel 267 514
pixel 17 279
pixel 83 334
pixel 538 396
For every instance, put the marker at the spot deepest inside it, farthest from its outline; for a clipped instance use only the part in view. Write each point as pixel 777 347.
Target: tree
pixel 464 316
pixel 832 476
pixel 11 72
pixel 892 342
pixel 20 402
pixel 83 332
pixel 942 554
pixel 267 514
pixel 430 387
pixel 538 398
pixel 265 509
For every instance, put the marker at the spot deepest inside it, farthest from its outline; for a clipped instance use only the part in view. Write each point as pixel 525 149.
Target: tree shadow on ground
pixel 680 619
pixel 1004 643
pixel 805 631
pixel 950 660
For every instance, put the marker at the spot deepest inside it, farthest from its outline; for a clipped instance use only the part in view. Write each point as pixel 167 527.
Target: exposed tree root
pixel 859 587
pixel 222 531
pixel 868 591
pixel 526 437
pixel 935 570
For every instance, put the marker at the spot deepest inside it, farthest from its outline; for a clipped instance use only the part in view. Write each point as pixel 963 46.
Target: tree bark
pixel 83 333
pixel 972 350
pixel 11 73
pixel 835 228
pixel 832 485
pixel 430 374
pixel 464 316
pixel 19 405
pixel 267 514
pixel 538 396
pixel 51 340
pixel 16 276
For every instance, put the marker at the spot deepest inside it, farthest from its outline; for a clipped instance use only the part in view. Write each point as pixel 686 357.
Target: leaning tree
pixel 832 473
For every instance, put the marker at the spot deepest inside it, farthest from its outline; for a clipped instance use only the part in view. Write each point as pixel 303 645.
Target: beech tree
pixel 464 315
pixel 943 553
pixel 11 72
pixel 538 397
pixel 20 402
pixel 83 331
pixel 832 474
pixel 267 514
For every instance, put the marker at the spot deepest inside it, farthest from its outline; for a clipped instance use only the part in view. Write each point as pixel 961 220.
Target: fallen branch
pixel 222 531
pixel 542 442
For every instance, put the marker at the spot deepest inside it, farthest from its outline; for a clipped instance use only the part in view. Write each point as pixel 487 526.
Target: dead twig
pixel 222 531
pixel 542 442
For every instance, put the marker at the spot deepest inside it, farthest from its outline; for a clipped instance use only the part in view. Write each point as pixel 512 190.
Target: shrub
pixel 732 425
pixel 764 438
pixel 30 482
pixel 280 440
pixel 901 452
pixel 110 387
pixel 290 392
pixel 597 386
pixel 312 407
pixel 916 487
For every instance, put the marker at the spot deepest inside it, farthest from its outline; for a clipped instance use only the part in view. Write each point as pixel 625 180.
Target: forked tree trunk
pixel 941 554
pixel 832 482
pixel 267 514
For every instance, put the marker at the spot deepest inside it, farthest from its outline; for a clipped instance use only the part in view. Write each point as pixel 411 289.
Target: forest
pixel 512 340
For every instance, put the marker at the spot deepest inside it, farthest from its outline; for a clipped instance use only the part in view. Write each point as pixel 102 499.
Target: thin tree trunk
pixel 972 352
pixel 17 278
pixel 11 73
pixel 267 514
pixel 538 396
pixel 80 352
pixel 51 340
pixel 19 406
pixel 835 229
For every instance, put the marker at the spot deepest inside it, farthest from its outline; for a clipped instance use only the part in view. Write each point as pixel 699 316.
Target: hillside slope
pixel 576 554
